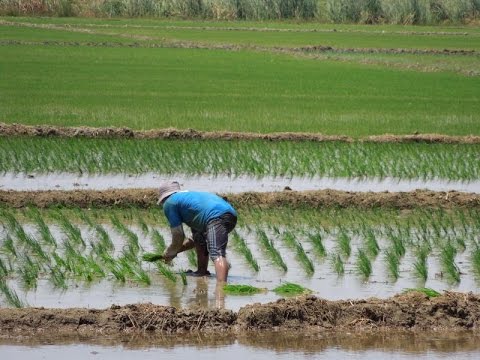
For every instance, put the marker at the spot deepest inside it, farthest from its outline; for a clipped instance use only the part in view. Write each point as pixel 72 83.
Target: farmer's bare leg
pixel 221 269
pixel 202 259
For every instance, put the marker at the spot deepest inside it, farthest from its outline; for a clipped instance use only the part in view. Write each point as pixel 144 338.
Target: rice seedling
pixel 72 232
pixel 344 243
pixel 420 265
pixel 183 276
pixel 475 259
pixel 241 246
pixel 43 228
pixel 337 264
pixel 165 271
pixel 270 250
pixel 317 243
pixel 133 242
pixel 29 272
pixel 58 277
pixel 143 225
pixel 10 295
pixel 371 243
pixel 289 289
pixel 158 242
pixel 3 270
pixel 431 293
pixel 9 247
pixel 301 256
pixel 364 265
pixel 237 289
pixel 105 243
pixel 447 258
pixel 192 257
pixel 393 263
pixel 152 257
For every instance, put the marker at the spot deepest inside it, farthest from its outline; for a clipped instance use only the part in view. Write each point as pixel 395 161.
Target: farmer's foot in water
pixel 197 273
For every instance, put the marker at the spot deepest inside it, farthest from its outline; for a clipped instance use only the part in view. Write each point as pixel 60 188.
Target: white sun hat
pixel 167 189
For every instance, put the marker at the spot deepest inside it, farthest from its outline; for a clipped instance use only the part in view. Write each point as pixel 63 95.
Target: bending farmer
pixel 211 219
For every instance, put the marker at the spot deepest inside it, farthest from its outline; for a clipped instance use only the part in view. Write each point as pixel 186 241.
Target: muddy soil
pixel 412 311
pixel 316 199
pixel 186 134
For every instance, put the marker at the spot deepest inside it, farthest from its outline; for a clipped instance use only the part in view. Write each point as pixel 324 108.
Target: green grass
pixel 220 90
pixel 431 293
pixel 256 158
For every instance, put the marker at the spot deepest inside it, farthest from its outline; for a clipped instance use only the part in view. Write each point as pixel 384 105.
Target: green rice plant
pixel 393 262
pixel 165 271
pixel 43 228
pixel 133 243
pixel 9 247
pixel 3 270
pixel 371 243
pixel 397 243
pixel 364 265
pixel 72 232
pixel 344 243
pixel 236 289
pixel 10 295
pixel 192 257
pixel 104 243
pixel 241 246
pixel 420 265
pixel 475 259
pixel 81 214
pixel 158 242
pixel 29 272
pixel 447 258
pixel 289 289
pixel 183 276
pixel 152 257
pixel 301 256
pixel 270 250
pixel 427 291
pixel 317 244
pixel 58 277
pixel 143 225
pixel 337 264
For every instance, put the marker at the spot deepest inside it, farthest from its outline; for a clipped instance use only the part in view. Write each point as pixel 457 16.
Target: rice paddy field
pixel 250 110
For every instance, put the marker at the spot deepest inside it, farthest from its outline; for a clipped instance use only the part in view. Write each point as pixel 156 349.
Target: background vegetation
pixel 338 11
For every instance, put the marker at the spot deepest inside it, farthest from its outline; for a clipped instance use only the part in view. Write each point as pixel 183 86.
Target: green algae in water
pixel 291 289
pixel 242 289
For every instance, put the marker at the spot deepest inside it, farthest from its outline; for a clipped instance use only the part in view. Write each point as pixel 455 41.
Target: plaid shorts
pixel 215 237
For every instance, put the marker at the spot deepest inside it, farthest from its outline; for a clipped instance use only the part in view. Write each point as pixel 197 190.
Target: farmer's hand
pixel 167 258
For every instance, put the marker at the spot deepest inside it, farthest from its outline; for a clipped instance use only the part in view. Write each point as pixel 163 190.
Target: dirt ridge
pixel 186 134
pixel 313 199
pixel 408 311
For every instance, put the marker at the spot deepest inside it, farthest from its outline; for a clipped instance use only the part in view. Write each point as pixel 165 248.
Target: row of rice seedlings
pixel 158 242
pixel 241 246
pixel 372 247
pixel 10 295
pixel 393 262
pixel 344 243
pixel 29 272
pixel 270 250
pixel 301 256
pixel 256 158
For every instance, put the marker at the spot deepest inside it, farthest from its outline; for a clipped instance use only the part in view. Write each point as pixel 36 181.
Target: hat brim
pixel 165 195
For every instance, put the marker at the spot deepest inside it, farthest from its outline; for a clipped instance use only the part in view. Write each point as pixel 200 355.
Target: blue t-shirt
pixel 195 209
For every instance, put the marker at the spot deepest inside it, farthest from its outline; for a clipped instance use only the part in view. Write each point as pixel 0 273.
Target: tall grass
pixel 364 11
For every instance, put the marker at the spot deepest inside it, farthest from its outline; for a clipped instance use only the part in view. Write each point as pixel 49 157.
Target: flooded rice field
pixel 224 184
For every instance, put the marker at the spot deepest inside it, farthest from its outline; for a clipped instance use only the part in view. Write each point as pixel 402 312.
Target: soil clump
pixel 413 311
pixel 316 199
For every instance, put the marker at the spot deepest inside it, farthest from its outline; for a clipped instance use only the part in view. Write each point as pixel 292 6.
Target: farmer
pixel 210 218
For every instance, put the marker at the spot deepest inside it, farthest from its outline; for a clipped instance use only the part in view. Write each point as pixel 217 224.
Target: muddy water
pixel 255 346
pixel 224 184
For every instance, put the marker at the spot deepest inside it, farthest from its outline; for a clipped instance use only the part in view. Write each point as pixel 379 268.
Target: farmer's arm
pixel 178 236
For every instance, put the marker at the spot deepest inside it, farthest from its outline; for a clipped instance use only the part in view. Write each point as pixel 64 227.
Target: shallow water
pixel 395 345
pixel 224 184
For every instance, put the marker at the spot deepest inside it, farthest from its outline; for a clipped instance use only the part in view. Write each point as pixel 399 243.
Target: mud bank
pixel 187 134
pixel 411 311
pixel 145 198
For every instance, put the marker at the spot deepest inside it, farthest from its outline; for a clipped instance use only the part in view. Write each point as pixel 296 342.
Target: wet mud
pixel 412 311
pixel 315 199
pixel 187 134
